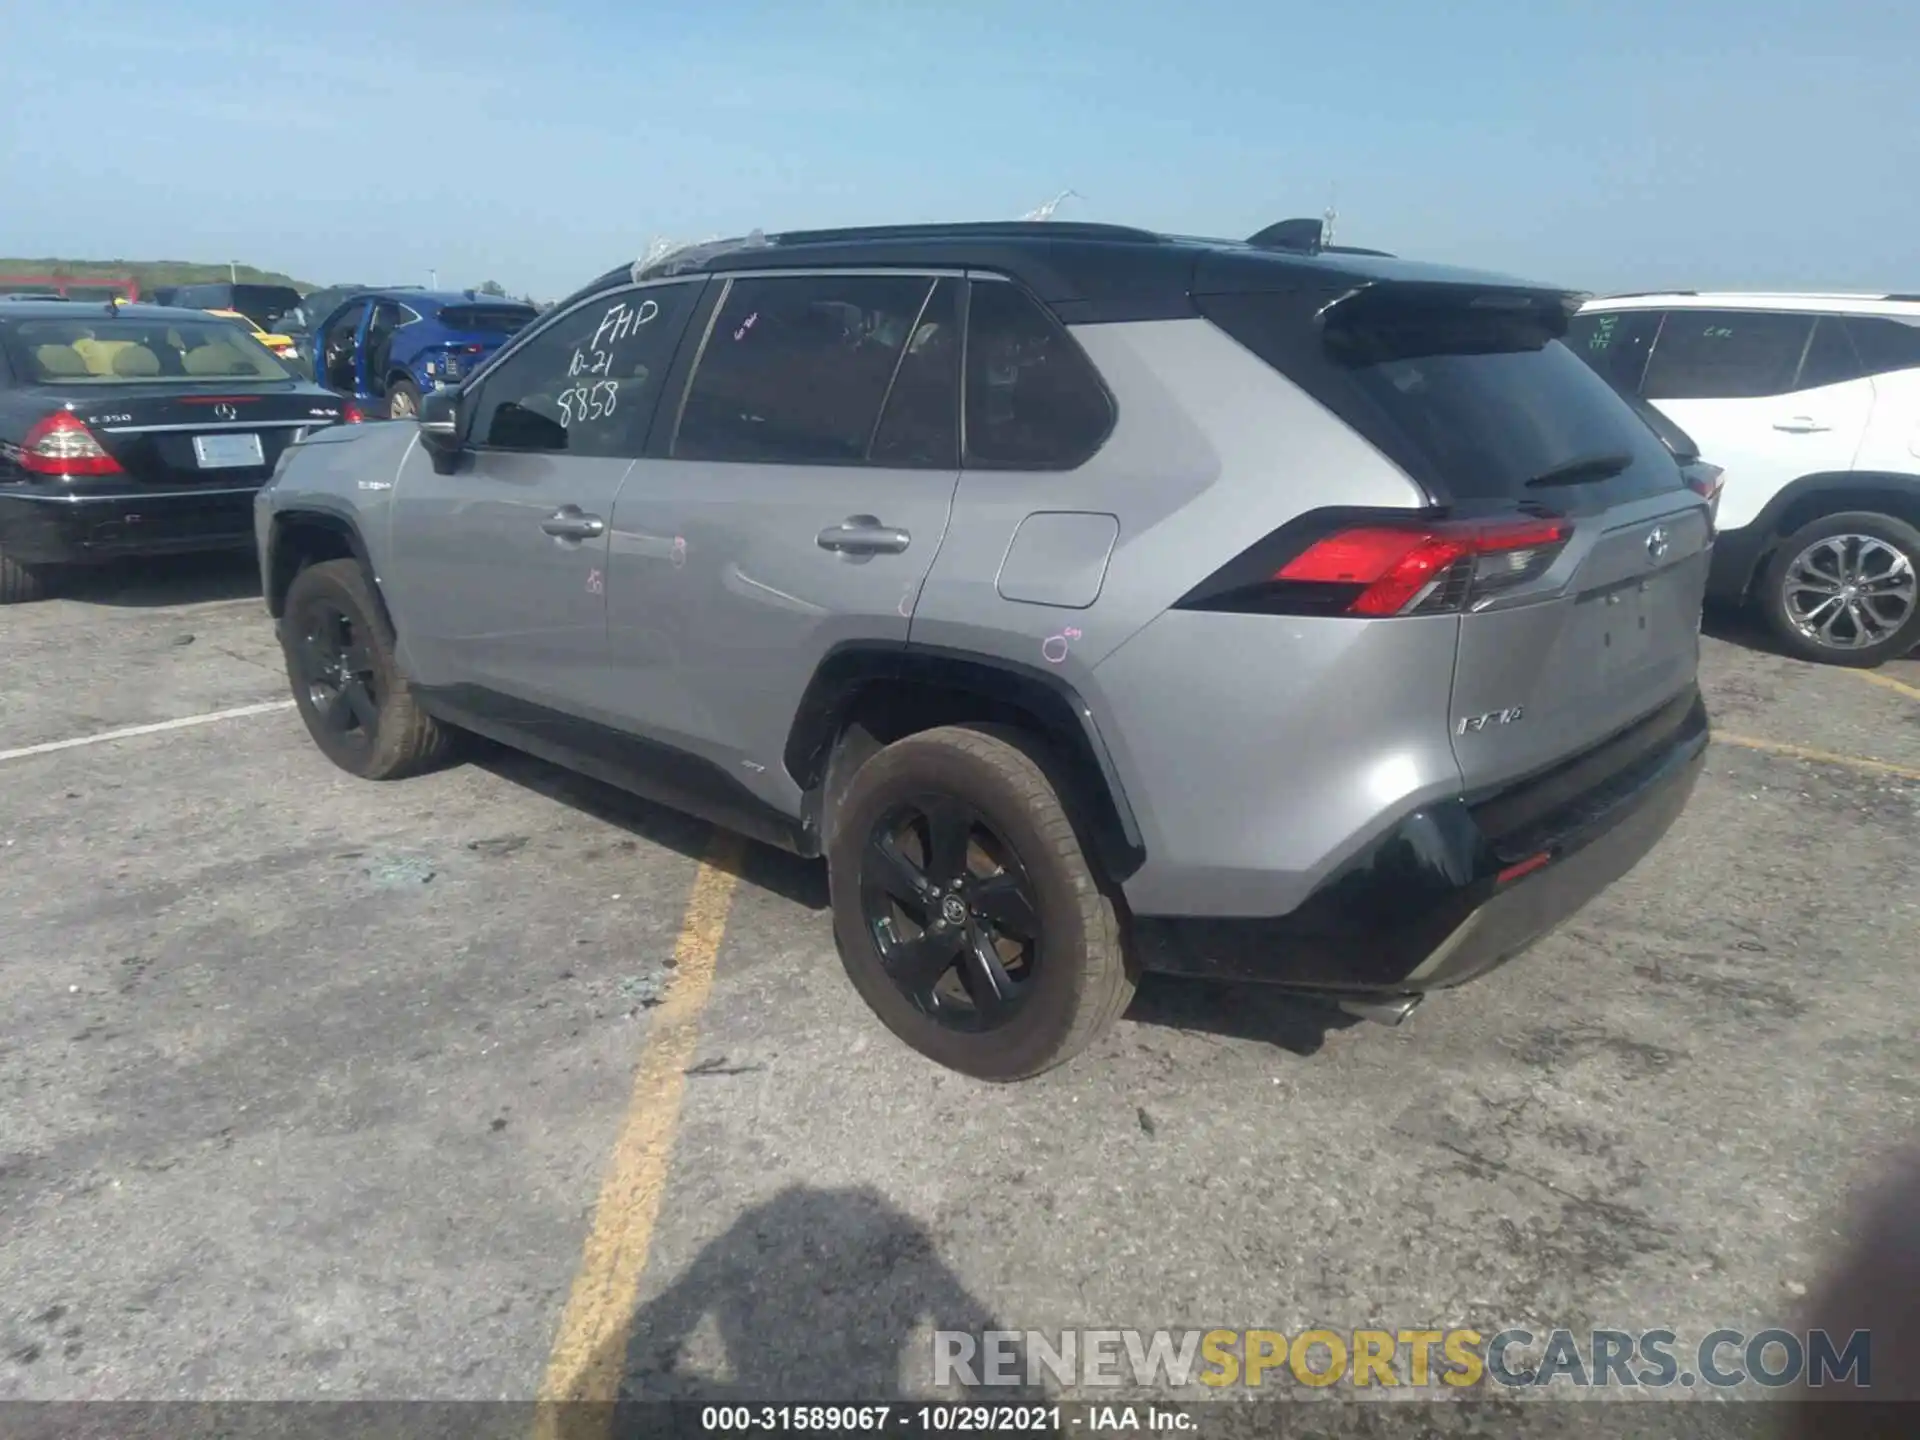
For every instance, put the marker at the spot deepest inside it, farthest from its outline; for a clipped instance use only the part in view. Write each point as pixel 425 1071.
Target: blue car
pixel 387 348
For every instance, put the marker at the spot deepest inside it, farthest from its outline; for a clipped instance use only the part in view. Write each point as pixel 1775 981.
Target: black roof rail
pixel 970 230
pixel 1904 299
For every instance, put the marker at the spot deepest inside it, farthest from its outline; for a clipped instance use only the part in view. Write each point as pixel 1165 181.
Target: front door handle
pixel 1801 425
pixel 863 535
pixel 570 523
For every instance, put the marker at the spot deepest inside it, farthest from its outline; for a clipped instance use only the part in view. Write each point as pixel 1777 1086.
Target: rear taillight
pixel 351 414
pixel 61 444
pixel 1390 567
pixel 1705 480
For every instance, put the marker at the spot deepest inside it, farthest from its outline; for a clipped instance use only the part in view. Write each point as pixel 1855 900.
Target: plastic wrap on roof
pixel 665 257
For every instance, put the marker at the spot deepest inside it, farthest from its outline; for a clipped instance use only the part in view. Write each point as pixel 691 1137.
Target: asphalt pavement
pixel 497 1083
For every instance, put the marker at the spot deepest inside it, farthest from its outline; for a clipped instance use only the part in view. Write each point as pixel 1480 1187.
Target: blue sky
pixel 1617 145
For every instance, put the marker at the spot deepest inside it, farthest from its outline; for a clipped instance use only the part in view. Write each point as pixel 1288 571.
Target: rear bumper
pixel 57 526
pixel 1736 556
pixel 1459 888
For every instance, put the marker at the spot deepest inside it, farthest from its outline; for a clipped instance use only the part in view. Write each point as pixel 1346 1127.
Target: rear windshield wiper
pixel 1587 467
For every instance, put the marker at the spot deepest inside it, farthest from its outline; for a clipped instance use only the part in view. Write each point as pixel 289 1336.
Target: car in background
pixel 387 348
pixel 262 304
pixel 1093 600
pixel 133 429
pixel 1811 403
pixel 281 345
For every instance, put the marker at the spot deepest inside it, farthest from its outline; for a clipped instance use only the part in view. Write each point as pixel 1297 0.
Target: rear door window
pixel 1885 344
pixel 1727 354
pixel 1615 343
pixel 796 368
pixel 1474 395
pixel 1034 401
pixel 1830 357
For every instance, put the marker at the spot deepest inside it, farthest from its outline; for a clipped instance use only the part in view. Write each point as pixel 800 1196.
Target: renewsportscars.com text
pixel 1454 1358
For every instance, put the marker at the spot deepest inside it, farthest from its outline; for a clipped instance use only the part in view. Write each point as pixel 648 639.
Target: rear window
pixel 263 304
pixel 1472 393
pixel 487 319
pixel 90 351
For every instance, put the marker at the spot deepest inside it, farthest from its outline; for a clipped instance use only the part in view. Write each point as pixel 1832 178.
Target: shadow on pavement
pixel 154 583
pixel 1295 1023
pixel 803 882
pixel 812 1293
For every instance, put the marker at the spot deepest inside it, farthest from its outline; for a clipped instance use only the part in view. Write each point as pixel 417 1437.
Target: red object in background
pixel 124 285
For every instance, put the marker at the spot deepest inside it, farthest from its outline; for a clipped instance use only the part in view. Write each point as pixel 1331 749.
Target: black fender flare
pixel 335 524
pixel 1739 555
pixel 850 669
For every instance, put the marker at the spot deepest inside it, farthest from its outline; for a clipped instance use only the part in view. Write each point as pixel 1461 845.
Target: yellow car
pixel 280 345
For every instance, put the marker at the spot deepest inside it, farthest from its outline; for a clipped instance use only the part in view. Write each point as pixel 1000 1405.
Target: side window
pixel 1885 344
pixel 1830 359
pixel 920 427
pixel 585 385
pixel 796 368
pixel 1726 354
pixel 1615 343
pixel 1033 400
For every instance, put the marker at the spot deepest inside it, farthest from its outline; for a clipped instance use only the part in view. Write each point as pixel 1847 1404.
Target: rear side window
pixel 263 304
pixel 1034 401
pixel 1615 343
pixel 796 368
pixel 1830 359
pixel 1727 354
pixel 1884 343
pixel 1475 397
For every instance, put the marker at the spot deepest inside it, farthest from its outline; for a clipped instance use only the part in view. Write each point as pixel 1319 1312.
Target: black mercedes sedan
pixel 136 430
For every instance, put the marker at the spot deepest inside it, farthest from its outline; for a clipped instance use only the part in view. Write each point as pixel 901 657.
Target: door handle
pixel 570 523
pixel 1801 425
pixel 863 535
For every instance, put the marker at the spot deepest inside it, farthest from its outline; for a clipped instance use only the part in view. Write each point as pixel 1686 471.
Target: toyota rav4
pixel 1094 601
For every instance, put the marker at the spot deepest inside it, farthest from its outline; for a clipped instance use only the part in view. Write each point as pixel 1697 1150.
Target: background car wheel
pixel 20 583
pixel 1845 590
pixel 964 910
pixel 351 694
pixel 403 400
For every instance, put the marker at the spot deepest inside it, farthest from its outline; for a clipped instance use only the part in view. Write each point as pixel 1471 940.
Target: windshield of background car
pixel 487 319
pixel 85 350
pixel 263 304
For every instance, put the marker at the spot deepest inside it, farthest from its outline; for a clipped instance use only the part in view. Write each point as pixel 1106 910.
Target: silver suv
pixel 1092 600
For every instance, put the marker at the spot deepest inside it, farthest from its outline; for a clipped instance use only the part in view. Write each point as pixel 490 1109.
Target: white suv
pixel 1811 405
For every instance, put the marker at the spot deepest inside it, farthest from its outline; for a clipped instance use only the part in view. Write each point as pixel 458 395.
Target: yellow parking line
pixel 590 1348
pixel 1820 757
pixel 1899 687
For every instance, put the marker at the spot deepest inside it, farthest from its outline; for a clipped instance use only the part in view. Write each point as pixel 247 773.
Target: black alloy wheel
pixel 338 672
pixel 952 912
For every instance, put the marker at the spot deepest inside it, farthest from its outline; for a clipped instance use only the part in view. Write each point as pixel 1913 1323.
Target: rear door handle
pixel 1800 425
pixel 569 522
pixel 863 535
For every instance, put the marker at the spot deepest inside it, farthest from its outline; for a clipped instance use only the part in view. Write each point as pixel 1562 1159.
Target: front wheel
pixel 356 704
pixel 966 914
pixel 403 400
pixel 1845 590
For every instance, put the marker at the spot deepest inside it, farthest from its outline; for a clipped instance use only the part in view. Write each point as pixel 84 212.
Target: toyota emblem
pixel 1656 543
pixel 226 411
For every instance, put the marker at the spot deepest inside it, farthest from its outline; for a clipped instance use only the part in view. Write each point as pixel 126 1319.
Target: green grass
pixel 149 273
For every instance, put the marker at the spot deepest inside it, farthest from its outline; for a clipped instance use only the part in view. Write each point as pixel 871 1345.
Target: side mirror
pixel 440 421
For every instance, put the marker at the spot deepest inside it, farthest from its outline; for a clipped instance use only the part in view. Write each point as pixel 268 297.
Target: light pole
pixel 233 272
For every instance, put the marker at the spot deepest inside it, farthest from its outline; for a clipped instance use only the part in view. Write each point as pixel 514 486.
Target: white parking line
pixel 237 713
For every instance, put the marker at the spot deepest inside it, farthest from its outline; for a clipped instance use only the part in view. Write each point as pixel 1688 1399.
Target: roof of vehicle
pixel 96 309
pixel 1850 302
pixel 436 298
pixel 1085 271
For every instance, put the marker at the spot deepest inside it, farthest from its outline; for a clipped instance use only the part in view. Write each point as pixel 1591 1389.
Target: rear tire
pixel 1012 1003
pixel 356 704
pixel 403 400
pixel 1843 590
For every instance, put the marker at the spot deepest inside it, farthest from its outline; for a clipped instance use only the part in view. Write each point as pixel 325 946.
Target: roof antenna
pixel 1326 221
pixel 1045 212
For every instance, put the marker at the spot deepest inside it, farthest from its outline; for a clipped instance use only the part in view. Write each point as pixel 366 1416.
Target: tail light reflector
pixel 62 444
pixel 352 414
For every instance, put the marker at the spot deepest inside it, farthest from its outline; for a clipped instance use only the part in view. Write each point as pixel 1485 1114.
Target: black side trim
pixel 647 768
pixel 935 679
pixel 277 572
